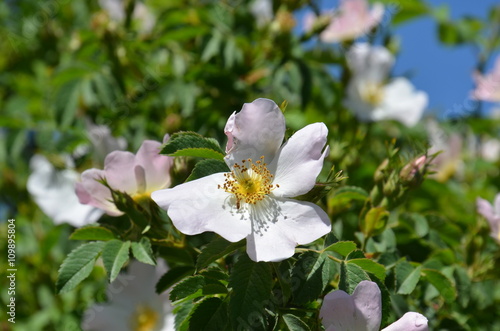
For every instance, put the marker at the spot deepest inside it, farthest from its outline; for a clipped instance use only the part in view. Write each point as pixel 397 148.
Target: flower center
pixel 144 318
pixel 372 93
pixel 249 182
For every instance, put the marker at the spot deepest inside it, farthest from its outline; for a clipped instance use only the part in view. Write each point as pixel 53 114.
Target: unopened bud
pixel 412 173
pixel 379 175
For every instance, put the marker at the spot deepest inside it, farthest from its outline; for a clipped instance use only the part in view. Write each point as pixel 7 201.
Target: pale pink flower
pixel 133 303
pixel 137 175
pixel 488 86
pixel 362 311
pixel 253 200
pixel 371 97
pixel 491 214
pixel 351 20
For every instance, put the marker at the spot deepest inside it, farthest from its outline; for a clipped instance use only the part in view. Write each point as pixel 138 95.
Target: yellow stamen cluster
pixel 249 182
pixel 144 318
pixel 372 94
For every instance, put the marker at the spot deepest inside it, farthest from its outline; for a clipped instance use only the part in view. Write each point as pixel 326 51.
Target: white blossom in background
pixel 362 311
pixel 141 13
pixel 102 142
pixel 351 20
pixel 488 85
pixel 491 214
pixel 253 200
pixel 449 161
pixel 133 304
pixel 372 97
pixel 135 174
pixel 53 191
pixel 262 10
pixel 490 149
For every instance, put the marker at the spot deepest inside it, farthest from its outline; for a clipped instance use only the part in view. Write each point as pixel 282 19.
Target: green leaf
pixel 463 283
pixel 251 283
pixel 293 323
pixel 283 274
pixel 67 102
pixel 370 266
pixel 207 167
pixel 209 315
pixel 216 249
pixel 312 270
pixel 441 283
pixel 114 256
pixel 173 276
pixel 92 233
pixel 410 282
pixel 187 287
pixel 350 276
pixel 342 247
pixel 192 144
pixel 344 196
pixel 374 221
pixel 143 252
pixel 77 266
pixel 182 312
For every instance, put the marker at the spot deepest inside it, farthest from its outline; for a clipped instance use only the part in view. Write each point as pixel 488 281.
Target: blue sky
pixel 443 72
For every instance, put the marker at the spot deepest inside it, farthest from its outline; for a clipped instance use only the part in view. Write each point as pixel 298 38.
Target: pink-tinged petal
pixel 489 212
pixel 488 86
pixel 119 170
pixel 401 102
pixel 496 205
pixel 368 301
pixel 409 322
pixel 338 312
pixel 352 20
pixel 156 166
pixel 361 312
pixel 90 191
pixel 199 206
pixel 300 161
pixel 257 130
pixel 485 209
pixel 282 224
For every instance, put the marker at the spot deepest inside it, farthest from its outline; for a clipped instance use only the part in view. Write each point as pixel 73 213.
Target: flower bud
pixel 412 173
pixel 379 175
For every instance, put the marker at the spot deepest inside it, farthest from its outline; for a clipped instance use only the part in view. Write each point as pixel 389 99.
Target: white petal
pixel 54 192
pixel 257 130
pixel 286 223
pixel 371 63
pixel 300 161
pixel 409 322
pixel 402 103
pixel 199 206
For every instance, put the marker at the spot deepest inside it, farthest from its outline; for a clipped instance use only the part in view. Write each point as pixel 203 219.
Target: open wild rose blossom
pixel 351 20
pixel 133 304
pixel 362 311
pixel 371 97
pixel 137 175
pixel 54 192
pixel 252 201
pixel 491 214
pixel 488 86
